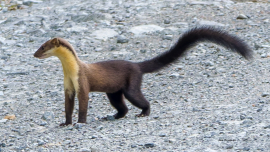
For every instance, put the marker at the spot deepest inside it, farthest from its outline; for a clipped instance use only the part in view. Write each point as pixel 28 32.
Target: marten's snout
pixel 37 54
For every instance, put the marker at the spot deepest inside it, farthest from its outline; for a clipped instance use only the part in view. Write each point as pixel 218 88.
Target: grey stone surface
pixel 209 100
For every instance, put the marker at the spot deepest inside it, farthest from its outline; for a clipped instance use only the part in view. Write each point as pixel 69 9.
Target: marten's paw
pixel 64 124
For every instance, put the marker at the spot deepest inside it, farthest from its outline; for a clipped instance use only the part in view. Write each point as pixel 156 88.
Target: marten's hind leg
pixel 134 95
pixel 118 103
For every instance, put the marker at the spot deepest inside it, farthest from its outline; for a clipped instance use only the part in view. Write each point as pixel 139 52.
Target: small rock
pixel 1 93
pixel 93 137
pixel 30 2
pixel 48 115
pixel 231 86
pixel 264 55
pixel 104 34
pixel 143 51
pixel 3 120
pixel 4 57
pixel 246 149
pixel 246 123
pixel 267 127
pixel 265 94
pixel 155 117
pixel 67 142
pixel 229 146
pixel 85 150
pixel 133 146
pixel 257 46
pixel 242 16
pixel 162 135
pixel 5 9
pixel 69 128
pixel 122 39
pixel 110 117
pixel 2 145
pixel 18 73
pixel 139 30
pixel 78 125
pixel 172 140
pixel 167 37
pixel 242 116
pixel 210 23
pixel 19 44
pixel 94 150
pixel 98 49
pixel 40 142
pixel 174 75
pixel 43 123
pixel 149 145
pixel 209 63
pixel 167 21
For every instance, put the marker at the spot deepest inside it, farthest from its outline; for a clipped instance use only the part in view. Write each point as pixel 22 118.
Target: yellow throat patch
pixel 70 69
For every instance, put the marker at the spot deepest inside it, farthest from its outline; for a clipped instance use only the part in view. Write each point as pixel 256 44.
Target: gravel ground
pixel 211 100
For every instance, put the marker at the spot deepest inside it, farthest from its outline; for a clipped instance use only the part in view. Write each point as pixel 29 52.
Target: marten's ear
pixel 55 42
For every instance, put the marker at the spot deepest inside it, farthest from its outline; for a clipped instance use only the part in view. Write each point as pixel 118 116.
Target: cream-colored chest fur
pixel 70 69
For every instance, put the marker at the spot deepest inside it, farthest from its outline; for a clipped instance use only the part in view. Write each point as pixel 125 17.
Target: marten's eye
pixel 42 48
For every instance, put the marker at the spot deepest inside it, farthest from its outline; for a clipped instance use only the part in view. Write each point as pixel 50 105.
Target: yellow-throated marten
pixel 120 78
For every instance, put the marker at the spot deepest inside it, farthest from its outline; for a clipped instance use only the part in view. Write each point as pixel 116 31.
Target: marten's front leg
pixel 83 104
pixel 69 106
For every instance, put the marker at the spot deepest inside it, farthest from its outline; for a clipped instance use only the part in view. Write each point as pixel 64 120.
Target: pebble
pixel 174 75
pixel 242 16
pixel 229 147
pixel 242 116
pixel 104 34
pixel 66 142
pixel 265 94
pixel 267 127
pixel 5 9
pixel 172 140
pixel 140 30
pixel 210 23
pixel 3 120
pixel 43 123
pixel 110 118
pixel 40 142
pixel 85 150
pixel 122 39
pixel 167 21
pixel 149 145
pixel 162 135
pixel 167 37
pixel 246 149
pixel 142 51
pixel 264 55
pixel 48 115
pixel 133 146
pixel 78 125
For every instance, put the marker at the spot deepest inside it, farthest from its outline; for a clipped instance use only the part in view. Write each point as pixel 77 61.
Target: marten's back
pixel 111 76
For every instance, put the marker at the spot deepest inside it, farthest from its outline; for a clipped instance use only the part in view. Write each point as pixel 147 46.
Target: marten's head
pixel 47 49
pixel 54 47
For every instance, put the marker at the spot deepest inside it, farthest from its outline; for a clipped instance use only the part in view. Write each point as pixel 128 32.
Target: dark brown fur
pixel 122 78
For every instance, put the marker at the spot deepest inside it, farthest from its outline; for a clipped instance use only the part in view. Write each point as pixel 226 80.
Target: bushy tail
pixel 191 38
